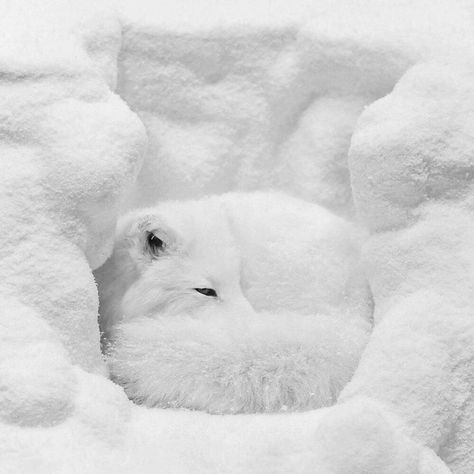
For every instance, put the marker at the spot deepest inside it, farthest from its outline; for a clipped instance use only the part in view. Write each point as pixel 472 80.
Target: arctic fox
pixel 240 303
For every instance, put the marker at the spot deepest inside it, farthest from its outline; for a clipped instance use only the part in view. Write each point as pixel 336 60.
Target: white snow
pixel 419 261
pixel 237 96
pixel 246 95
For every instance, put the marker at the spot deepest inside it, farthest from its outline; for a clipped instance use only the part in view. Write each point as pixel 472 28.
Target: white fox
pixel 240 303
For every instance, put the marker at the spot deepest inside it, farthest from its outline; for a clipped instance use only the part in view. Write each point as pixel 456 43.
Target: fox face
pixel 232 304
pixel 178 258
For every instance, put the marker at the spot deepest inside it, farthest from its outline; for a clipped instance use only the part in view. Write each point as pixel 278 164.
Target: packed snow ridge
pixel 364 108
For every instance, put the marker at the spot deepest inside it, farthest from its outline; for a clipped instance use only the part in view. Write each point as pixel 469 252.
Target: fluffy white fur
pixel 283 331
pixel 234 364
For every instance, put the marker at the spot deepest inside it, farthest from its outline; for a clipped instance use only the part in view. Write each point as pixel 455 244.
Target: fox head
pixel 239 251
pixel 174 259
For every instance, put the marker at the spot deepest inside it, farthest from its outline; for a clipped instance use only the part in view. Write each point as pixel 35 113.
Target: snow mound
pixel 414 189
pixel 264 94
pixel 37 381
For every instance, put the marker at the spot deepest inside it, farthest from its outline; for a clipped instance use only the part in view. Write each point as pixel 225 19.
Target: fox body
pixel 240 303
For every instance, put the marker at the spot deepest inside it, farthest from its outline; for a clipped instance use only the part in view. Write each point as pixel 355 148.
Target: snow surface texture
pixel 288 323
pixel 237 95
pixel 69 147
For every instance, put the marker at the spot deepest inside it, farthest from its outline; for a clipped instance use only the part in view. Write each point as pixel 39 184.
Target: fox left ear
pixel 155 244
pixel 145 235
pixel 155 236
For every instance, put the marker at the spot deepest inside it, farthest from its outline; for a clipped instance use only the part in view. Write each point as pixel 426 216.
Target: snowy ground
pixel 365 107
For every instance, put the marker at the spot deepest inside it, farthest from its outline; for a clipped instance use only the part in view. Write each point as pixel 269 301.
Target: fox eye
pixel 207 291
pixel 155 244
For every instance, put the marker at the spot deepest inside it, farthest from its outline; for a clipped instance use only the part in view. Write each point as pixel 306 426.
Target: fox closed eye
pixel 207 292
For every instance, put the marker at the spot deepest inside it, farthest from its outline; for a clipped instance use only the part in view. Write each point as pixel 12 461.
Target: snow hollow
pixel 363 108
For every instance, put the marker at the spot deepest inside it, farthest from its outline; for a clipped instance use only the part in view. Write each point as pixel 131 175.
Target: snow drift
pixel 237 95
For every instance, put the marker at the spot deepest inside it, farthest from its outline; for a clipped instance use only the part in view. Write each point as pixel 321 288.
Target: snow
pixel 237 96
pixel 244 97
pixel 419 200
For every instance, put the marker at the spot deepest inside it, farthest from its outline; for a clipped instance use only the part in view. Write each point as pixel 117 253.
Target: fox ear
pixel 155 243
pixel 148 234
pixel 135 225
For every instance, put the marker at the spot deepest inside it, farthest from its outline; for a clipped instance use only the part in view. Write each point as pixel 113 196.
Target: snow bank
pixel 69 146
pixel 236 95
pixel 414 189
pixel 260 94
